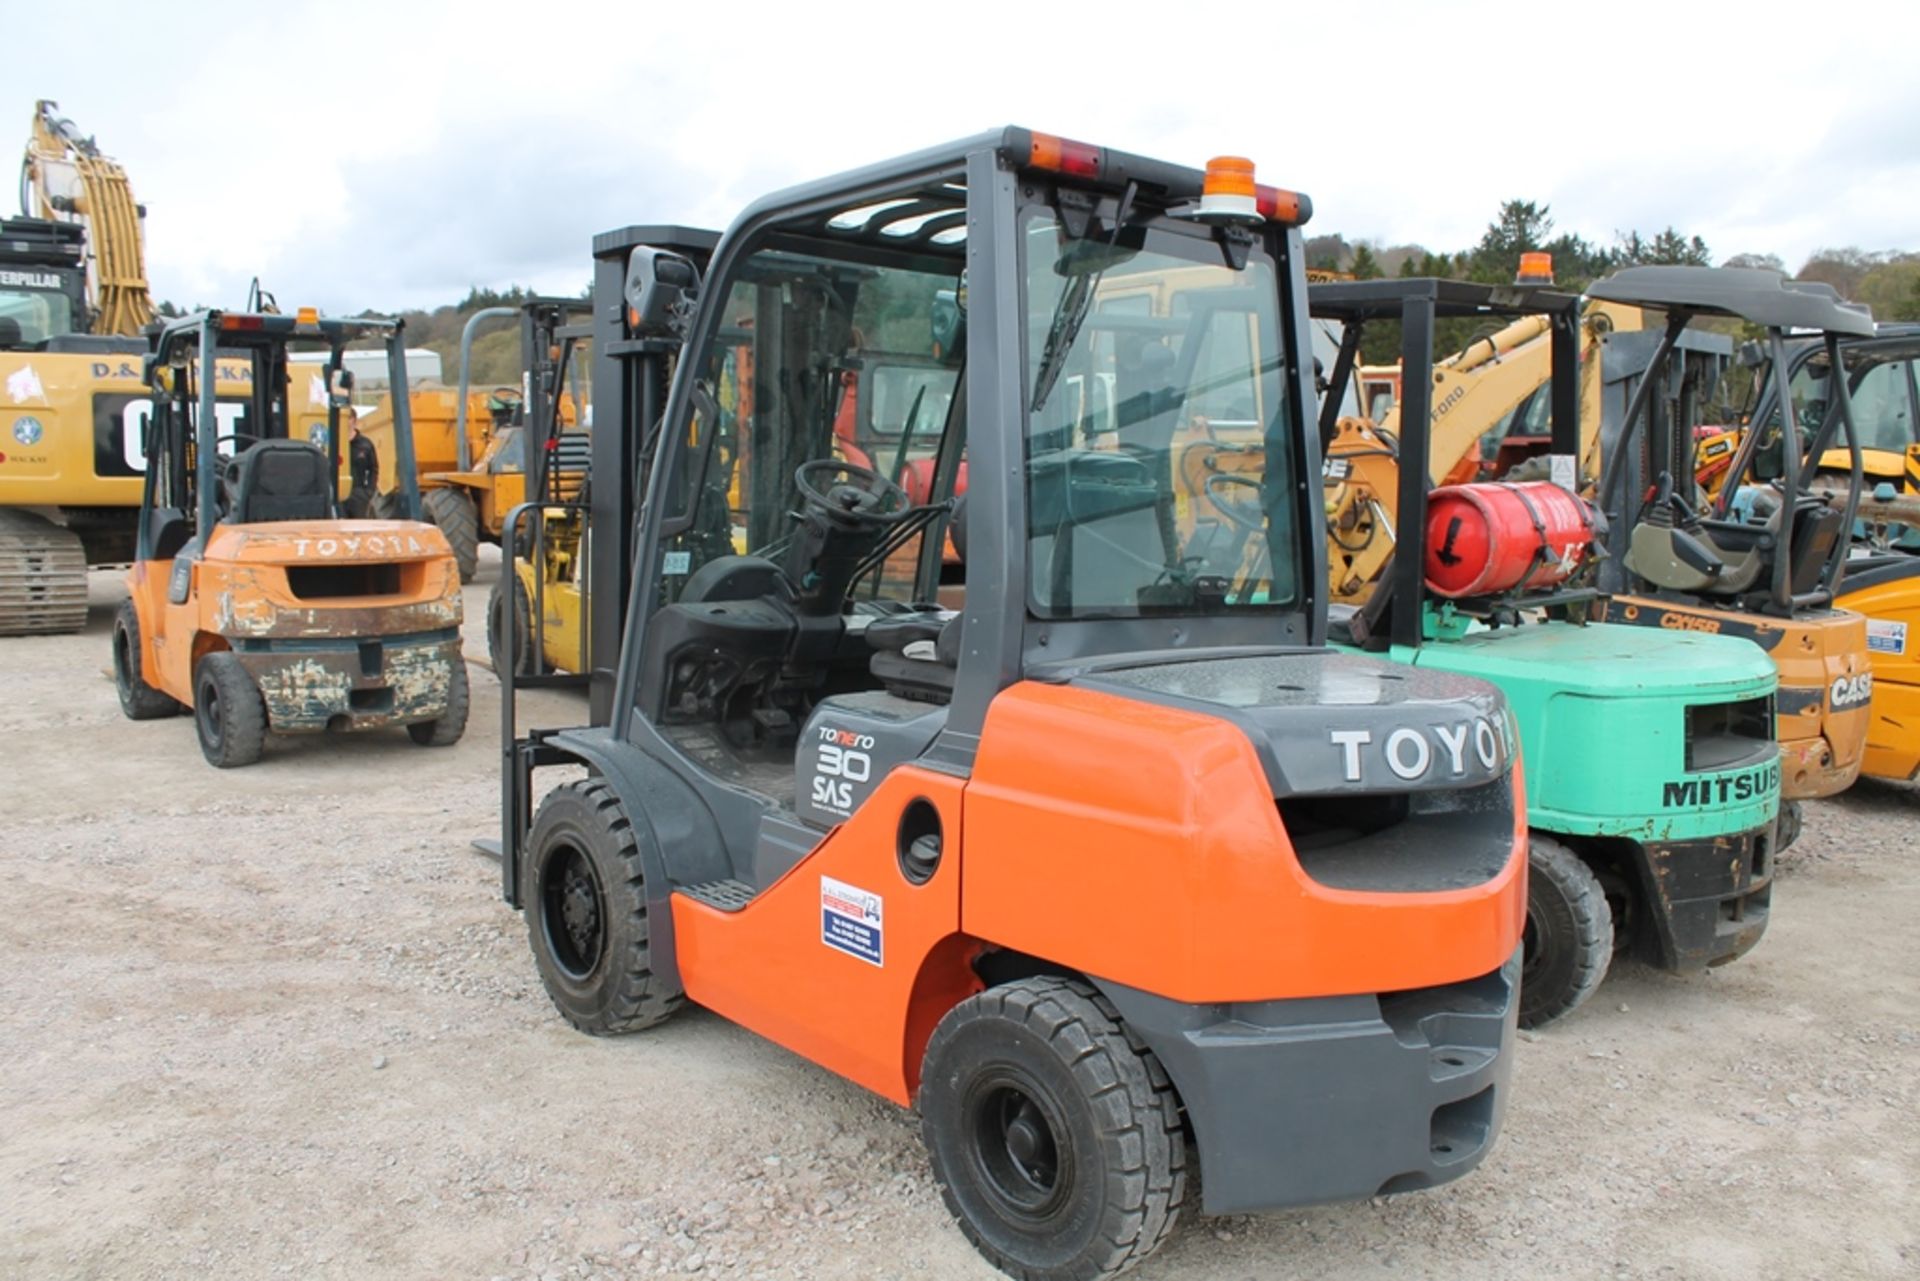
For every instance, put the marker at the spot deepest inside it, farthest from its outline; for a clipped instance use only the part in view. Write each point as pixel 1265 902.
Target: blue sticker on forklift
pixel 850 920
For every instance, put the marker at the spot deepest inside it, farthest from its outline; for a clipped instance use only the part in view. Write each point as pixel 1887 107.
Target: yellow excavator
pixel 73 406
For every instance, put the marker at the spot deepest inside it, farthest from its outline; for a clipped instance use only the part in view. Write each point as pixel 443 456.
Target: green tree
pixel 1521 226
pixel 1664 249
pixel 1365 266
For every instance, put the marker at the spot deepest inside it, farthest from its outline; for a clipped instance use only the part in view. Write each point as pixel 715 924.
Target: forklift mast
pixel 630 377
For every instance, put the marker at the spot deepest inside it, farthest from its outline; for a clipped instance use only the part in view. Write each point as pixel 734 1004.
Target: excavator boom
pixel 67 178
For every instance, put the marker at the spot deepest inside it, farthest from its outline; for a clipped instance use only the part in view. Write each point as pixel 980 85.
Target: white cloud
pixel 392 154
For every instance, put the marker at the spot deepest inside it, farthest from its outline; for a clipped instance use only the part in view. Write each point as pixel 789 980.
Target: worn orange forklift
pixel 1115 873
pixel 1767 570
pixel 251 602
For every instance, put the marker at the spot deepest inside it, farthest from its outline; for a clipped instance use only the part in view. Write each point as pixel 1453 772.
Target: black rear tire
pixel 228 712
pixel 139 700
pixel 446 729
pixel 452 512
pixel 585 897
pixel 1569 934
pixel 508 594
pixel 1055 1136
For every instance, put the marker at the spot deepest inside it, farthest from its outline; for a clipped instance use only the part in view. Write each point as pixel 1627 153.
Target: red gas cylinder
pixel 1496 537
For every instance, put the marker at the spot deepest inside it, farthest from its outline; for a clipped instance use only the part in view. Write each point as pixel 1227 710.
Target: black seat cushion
pixel 275 480
pixel 894 634
pixel 929 680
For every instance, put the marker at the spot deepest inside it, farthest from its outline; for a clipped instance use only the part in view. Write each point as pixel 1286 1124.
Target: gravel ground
pixel 278 1022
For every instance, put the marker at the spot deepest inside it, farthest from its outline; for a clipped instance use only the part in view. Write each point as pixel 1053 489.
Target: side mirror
pixel 949 324
pixel 340 387
pixel 661 290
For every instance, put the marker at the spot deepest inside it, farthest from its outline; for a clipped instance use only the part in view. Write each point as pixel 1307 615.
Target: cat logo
pixel 1850 691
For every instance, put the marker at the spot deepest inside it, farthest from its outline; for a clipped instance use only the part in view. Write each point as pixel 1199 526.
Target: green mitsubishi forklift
pixel 1652 773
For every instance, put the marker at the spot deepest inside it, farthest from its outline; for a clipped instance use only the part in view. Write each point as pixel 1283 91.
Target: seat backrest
pixel 276 480
pixel 11 335
pixel 1816 527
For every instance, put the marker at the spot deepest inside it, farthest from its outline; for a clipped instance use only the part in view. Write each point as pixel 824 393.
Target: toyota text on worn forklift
pixel 252 604
pixel 1113 872
pixel 1653 780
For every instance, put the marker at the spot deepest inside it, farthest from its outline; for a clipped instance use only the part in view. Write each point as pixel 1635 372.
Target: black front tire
pixel 453 513
pixel 1569 935
pixel 228 712
pixel 1055 1136
pixel 139 700
pixel 509 595
pixel 446 729
pixel 585 897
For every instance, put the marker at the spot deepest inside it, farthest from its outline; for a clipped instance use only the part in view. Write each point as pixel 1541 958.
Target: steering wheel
pixel 864 499
pixel 1252 518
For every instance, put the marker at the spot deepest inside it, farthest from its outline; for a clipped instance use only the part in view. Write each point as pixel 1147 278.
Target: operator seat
pixel 274 480
pixel 11 335
pixel 917 655
pixel 1729 557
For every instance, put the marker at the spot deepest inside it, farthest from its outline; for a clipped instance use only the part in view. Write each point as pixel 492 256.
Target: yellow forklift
pixel 566 551
pixel 1768 571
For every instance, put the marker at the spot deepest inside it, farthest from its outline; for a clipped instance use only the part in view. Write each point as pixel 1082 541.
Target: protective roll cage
pixel 955 210
pixel 1416 303
pixel 1769 300
pixel 196 343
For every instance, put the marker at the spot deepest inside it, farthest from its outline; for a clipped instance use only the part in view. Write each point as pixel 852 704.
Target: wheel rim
pixel 573 913
pixel 208 713
pixel 1540 942
pixel 1015 1149
pixel 122 664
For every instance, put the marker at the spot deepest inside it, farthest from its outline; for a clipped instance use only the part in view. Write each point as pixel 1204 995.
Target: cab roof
pixel 1750 293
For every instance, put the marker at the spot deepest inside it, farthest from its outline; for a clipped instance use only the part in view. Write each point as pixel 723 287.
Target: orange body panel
pixel 1893 738
pixel 240 588
pixel 1141 844
pixel 1819 655
pixel 766 968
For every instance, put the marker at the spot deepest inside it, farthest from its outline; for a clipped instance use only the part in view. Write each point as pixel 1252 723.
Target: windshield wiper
pixel 1085 270
pixel 1068 316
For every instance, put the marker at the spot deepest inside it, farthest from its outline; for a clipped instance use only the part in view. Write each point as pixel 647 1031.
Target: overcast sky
pixel 388 155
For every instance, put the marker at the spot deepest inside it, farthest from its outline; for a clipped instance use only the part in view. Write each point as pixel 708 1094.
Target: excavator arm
pixel 66 178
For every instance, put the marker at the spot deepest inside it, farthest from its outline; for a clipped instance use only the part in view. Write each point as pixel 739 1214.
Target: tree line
pixel 1888 281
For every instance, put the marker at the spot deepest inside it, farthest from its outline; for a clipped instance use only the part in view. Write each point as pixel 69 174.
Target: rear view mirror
pixel 949 325
pixel 660 293
pixel 340 387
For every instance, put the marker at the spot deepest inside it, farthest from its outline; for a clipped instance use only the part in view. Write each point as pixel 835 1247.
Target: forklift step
pixel 728 896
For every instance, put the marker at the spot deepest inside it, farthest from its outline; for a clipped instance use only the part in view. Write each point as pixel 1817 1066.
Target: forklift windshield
pixel 1153 392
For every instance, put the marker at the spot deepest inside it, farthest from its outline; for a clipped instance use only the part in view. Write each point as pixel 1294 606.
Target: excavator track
pixel 43 576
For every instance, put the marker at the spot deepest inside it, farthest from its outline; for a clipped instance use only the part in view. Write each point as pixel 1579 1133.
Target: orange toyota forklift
pixel 1116 873
pixel 251 602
